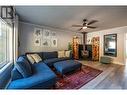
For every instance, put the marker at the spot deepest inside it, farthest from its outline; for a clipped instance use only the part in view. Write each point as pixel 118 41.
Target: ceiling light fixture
pixel 84 27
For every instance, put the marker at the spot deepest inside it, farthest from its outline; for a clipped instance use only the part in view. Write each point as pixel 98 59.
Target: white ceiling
pixel 63 17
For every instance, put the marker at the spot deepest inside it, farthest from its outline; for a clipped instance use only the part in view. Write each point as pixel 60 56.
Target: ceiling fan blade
pixel 79 29
pixel 91 22
pixel 76 25
pixel 91 27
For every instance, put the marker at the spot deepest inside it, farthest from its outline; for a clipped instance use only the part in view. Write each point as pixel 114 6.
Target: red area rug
pixel 78 78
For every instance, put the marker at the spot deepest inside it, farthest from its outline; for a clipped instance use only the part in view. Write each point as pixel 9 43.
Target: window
pixel 5 43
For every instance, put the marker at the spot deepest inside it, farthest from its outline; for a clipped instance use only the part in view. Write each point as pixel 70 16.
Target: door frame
pixel 125 38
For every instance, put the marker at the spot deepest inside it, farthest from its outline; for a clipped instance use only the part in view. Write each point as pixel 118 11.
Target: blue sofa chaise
pixel 42 76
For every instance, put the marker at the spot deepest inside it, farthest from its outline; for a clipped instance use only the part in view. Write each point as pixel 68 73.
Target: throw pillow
pixel 67 53
pixel 16 74
pixel 23 66
pixel 30 58
pixel 36 57
pixel 61 54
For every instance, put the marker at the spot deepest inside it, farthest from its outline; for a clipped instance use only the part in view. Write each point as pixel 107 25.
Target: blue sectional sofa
pixel 35 76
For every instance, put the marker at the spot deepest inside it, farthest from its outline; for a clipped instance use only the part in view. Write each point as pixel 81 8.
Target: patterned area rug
pixel 78 78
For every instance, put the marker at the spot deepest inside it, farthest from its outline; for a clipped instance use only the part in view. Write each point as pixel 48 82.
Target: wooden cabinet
pixel 76 47
pixel 95 49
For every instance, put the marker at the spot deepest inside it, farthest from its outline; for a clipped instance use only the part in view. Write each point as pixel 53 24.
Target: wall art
pixel 46 34
pixel 38 32
pixel 37 42
pixel 46 42
pixel 54 42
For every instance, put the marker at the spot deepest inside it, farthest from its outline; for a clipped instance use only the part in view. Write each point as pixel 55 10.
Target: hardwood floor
pixel 113 76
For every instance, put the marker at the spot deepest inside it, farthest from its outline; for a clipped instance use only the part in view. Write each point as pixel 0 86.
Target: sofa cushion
pixel 39 53
pixel 23 66
pixel 49 55
pixel 36 57
pixel 63 58
pixel 61 54
pixel 67 53
pixel 50 62
pixel 30 58
pixel 43 77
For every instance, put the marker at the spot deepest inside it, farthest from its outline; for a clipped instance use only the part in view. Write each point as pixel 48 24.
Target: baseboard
pixel 119 63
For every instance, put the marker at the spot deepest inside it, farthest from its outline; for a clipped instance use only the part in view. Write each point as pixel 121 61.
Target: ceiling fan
pixel 86 24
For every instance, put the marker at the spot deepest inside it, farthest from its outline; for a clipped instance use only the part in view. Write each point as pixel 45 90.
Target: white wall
pixel 26 38
pixel 120 31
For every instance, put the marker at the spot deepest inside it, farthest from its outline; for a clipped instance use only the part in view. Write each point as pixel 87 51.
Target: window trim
pixel 6 62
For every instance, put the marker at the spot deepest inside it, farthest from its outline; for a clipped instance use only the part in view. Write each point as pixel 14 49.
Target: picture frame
pixel 37 32
pixel 37 42
pixel 54 42
pixel 46 43
pixel 46 34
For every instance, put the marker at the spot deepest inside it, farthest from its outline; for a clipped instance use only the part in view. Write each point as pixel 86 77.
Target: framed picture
pixel 37 42
pixel 54 42
pixel 46 34
pixel 46 42
pixel 53 34
pixel 38 32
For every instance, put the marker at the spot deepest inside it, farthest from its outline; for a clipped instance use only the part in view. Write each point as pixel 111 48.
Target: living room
pixel 63 47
